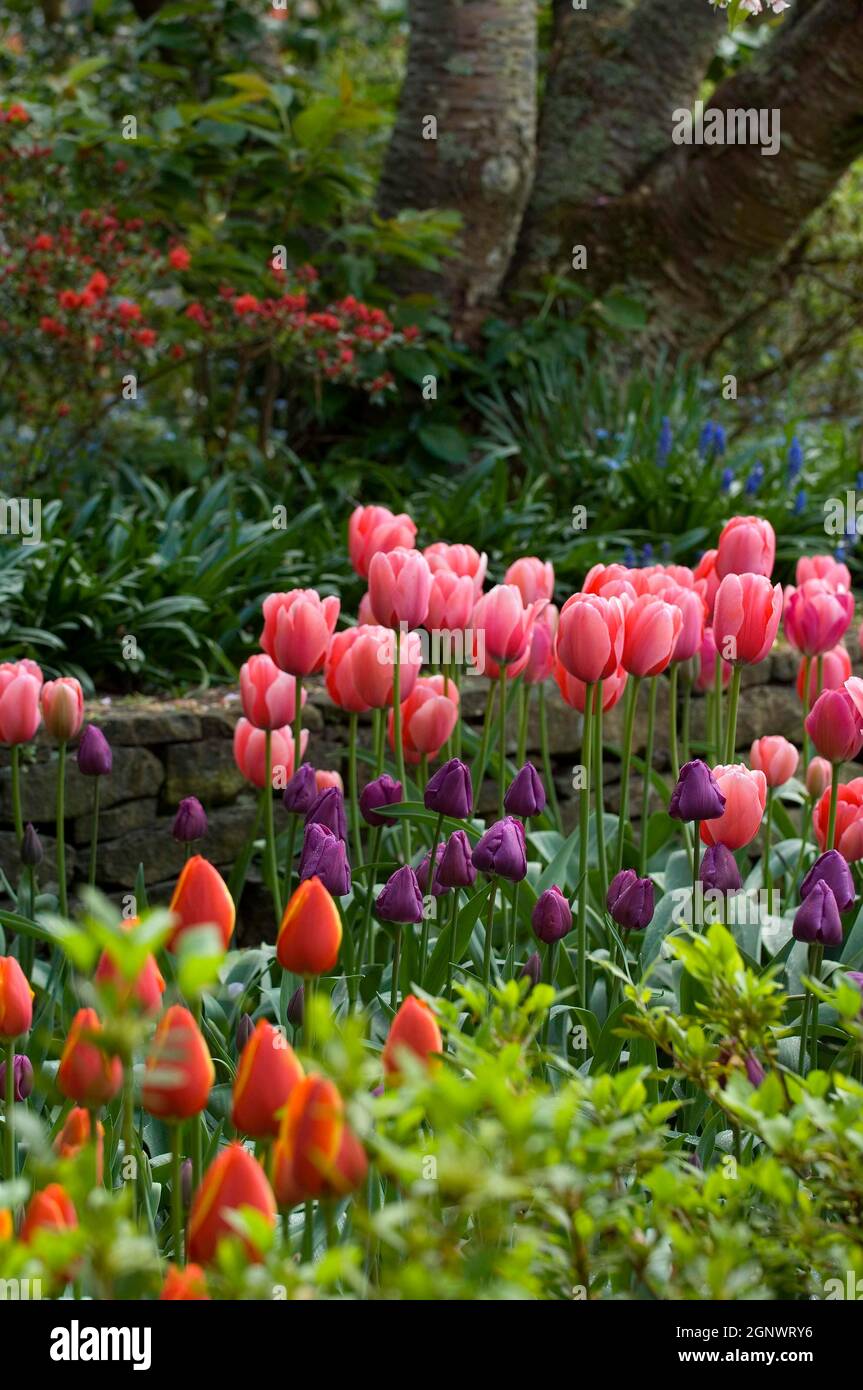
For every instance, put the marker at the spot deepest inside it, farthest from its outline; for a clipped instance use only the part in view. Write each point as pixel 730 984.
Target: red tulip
pixel 849 819
pixel 650 633
pixel 533 578
pixel 745 795
pixel 399 588
pixel 87 1073
pixel 413 1030
pixel 52 1209
pixel 145 990
pixel 310 933
pixel 316 1153
pixel 747 545
pixel 460 560
pixel 250 753
pixel 16 1000
pixel 835 724
pixel 19 702
pixel 63 708
pixel 373 529
pixel 233 1180
pixel 746 617
pixel 574 691
pixel 187 1285
pixel 76 1134
pixel 179 1071
pixel 267 1073
pixel 816 616
pixel 269 695
pixel 429 715
pixel 776 758
pixel 590 636
pixel 297 629
pixel 835 670
pixel 201 898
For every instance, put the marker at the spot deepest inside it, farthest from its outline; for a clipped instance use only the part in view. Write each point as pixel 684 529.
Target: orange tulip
pixel 268 1071
pixel 311 930
pixel 7 1225
pixel 76 1134
pixel 414 1029
pixel 201 898
pixel 16 1000
pixel 146 990
pixel 179 1070
pixel 305 1155
pixel 51 1209
pixel 87 1073
pixel 187 1285
pixel 234 1180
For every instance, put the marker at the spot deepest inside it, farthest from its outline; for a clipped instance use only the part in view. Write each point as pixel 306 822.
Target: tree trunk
pixel 617 74
pixel 472 71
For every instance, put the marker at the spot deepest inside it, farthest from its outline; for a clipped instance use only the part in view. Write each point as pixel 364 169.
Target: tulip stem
pixel 457 729
pixel 453 924
pixel 816 956
pixel 308 1012
pixel 834 800
pixel 61 830
pixel 523 718
pixel 687 706
pixel 289 853
pixel 805 819
pixel 94 838
pixel 367 906
pixel 546 759
pixel 298 721
pixel 429 893
pixel 696 856
pixel 397 741
pixel 767 876
pixel 672 718
pixel 599 794
pixel 177 1191
pixel 129 1129
pixel 501 787
pixel 197 1120
pixel 352 787
pixel 272 867
pixel 648 769
pixel 308 1253
pixel 9 1166
pixel 489 930
pixel 717 705
pixel 478 769
pixel 807 749
pixel 17 814
pixel 632 701
pixel 583 837
pixel 397 956
pixel 731 726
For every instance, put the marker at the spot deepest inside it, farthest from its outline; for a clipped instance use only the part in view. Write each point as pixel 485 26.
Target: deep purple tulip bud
pixel 383 791
pixel 94 753
pixel 22 1071
pixel 552 916
pixel 754 1069
pixel 325 856
pixel 501 852
pixel 817 918
pixel 831 868
pixel 532 969
pixel 857 977
pixel 245 1029
pixel 456 868
pixel 400 899
pixel 190 822
pixel 630 900
pixel 423 874
pixel 328 808
pixel 718 870
pixel 525 795
pixel 296 1007
pixel 31 847
pixel 450 791
pixel 186 1175
pixel 697 795
pixel 300 791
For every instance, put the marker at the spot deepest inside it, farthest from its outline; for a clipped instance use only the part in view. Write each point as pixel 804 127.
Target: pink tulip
pixel 269 695
pixel 250 753
pixel 372 655
pixel 574 691
pixel 681 575
pixel 375 529
pixel 823 567
pixel 835 723
pixel 650 633
pixel 707 663
pixel 707 580
pixel 532 577
pixel 429 716
pixel 691 605
pixel 747 545
pixel 745 795
pixel 19 702
pixel 328 777
pixel 461 560
pixel 746 617
pixel 365 616
pixel 776 758
pixel 540 663
pixel 507 623
pixel 849 819
pixel 399 587
pixel 819 775
pixel 451 601
pixel 590 636
pixel 835 670
pixel 816 617
pixel 339 671
pixel 297 629
pixel 611 581
pixel 63 708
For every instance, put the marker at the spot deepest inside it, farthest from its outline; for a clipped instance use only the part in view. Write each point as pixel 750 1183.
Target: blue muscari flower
pixel 727 479
pixel 663 447
pixel 705 439
pixel 860 482
pixel 840 553
pixel 629 557
pixel 647 553
pixel 795 458
pixel 755 479
pixel 602 434
pixel 719 441
pixel 799 502
pixel 666 550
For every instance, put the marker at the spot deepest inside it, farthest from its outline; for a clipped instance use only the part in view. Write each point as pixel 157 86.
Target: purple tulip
pixel 324 855
pixel 245 1029
pixel 32 852
pixel 817 918
pixel 525 795
pixel 831 868
pixel 630 900
pixel 300 791
pixel 456 868
pixel 697 795
pixel 94 753
pixel 449 791
pixel 754 1069
pixel 423 874
pixel 190 822
pixel 501 852
pixel 719 871
pixel 400 899
pixel 532 969
pixel 22 1071
pixel 328 808
pixel 552 916
pixel 383 791
pixel 186 1176
pixel 296 1007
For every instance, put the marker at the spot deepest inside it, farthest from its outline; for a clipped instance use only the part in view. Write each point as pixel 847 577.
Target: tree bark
pixel 472 67
pixel 617 74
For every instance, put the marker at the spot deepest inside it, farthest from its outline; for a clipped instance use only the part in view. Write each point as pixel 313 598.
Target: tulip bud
pixel 819 775
pixel 383 791
pixel 400 899
pixel 697 795
pixel 532 969
pixel 62 708
pixel 437 887
pixel 16 1000
pixel 87 1073
pixel 754 1069
pixel 316 1153
pixel 456 868
pixel 552 916
pixel 32 852
pixel 190 822
pixel 834 724
pixel 52 1209
pixel 233 1180
pixel 324 855
pixel 296 1010
pixel 179 1070
pixel 630 900
pixel 831 868
pixel 94 753
pixel 718 870
pixel 310 933
pixel 328 808
pixel 187 1177
pixel 300 791
pixel 268 1071
pixel 415 1030
pixel 201 898
pixel 188 1285
pixel 245 1029
pixel 22 1071
pixel 450 791
pixel 501 851
pixel 77 1133
pixel 817 918
pixel 525 795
